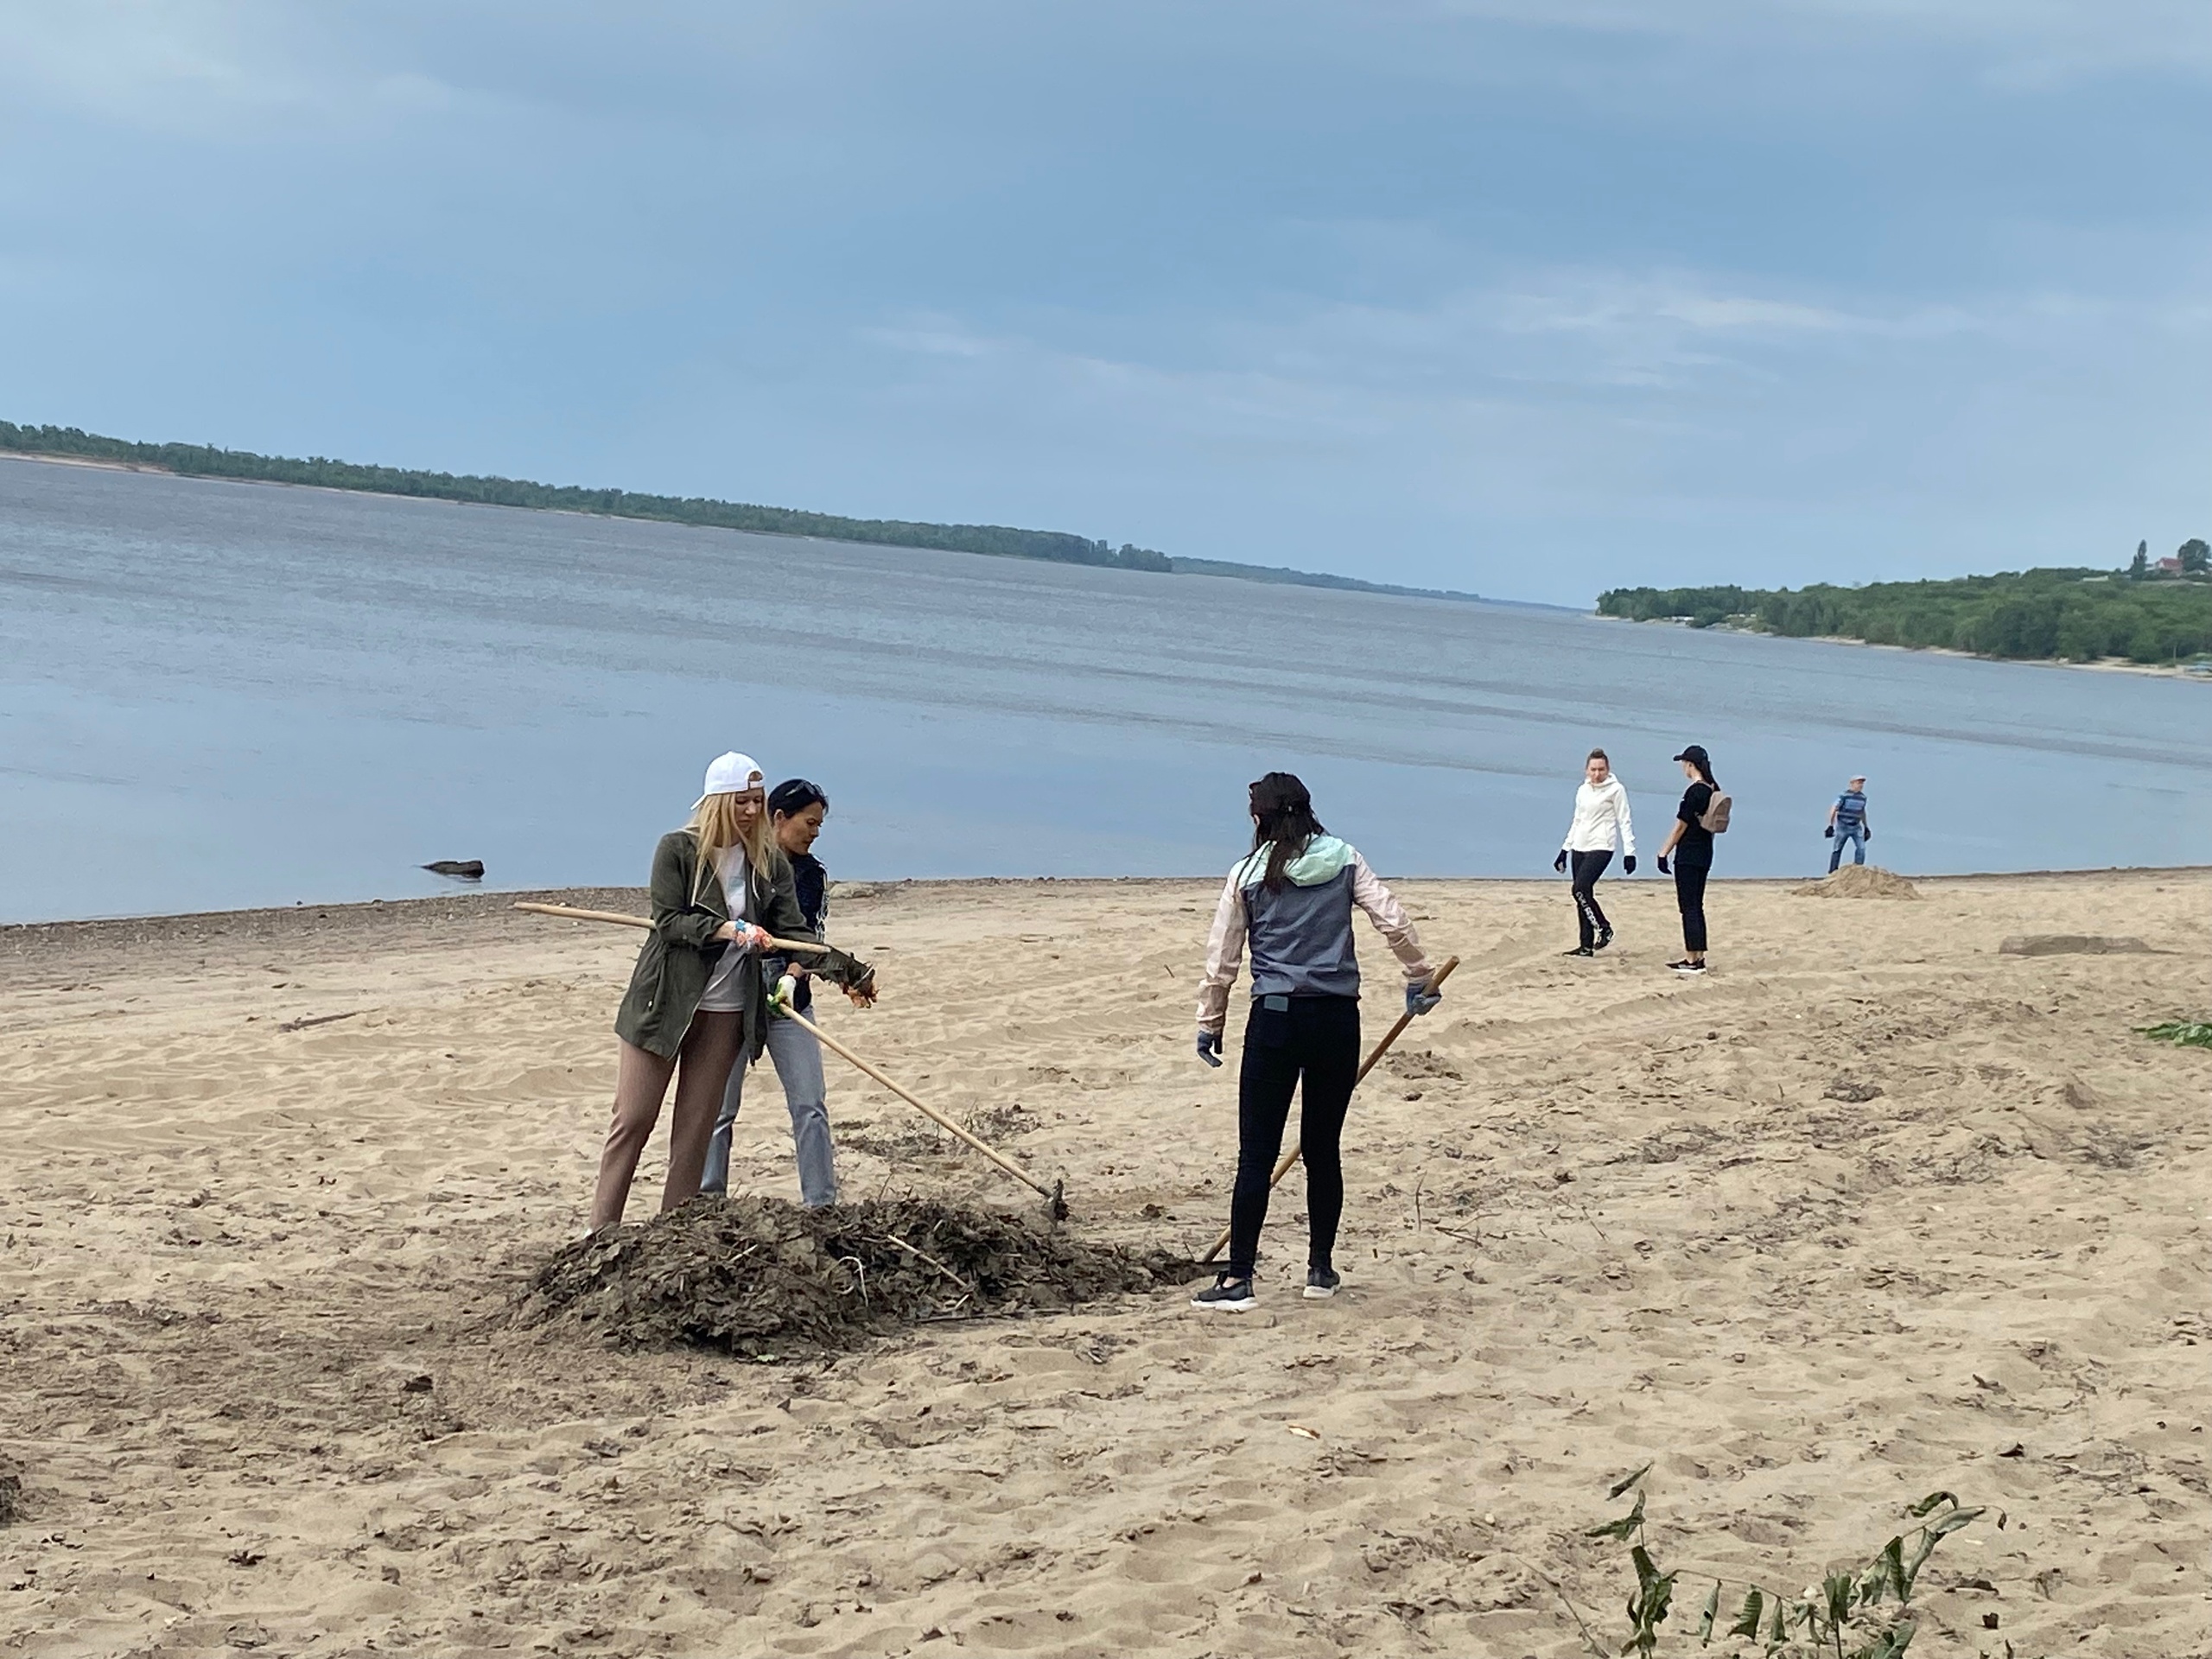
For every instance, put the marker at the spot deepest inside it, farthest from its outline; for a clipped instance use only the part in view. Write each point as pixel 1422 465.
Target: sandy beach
pixel 264 1395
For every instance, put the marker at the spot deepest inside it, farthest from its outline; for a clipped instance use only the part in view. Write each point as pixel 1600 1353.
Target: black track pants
pixel 1689 896
pixel 1586 867
pixel 1317 1038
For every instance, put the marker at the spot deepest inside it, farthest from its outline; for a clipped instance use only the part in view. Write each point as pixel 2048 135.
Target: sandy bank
pixel 1597 1217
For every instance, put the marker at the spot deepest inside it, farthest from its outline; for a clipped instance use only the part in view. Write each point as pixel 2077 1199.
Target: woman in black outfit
pixel 1689 845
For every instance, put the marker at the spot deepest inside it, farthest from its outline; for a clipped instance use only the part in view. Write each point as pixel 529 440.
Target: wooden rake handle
pixel 929 1112
pixel 1284 1164
pixel 619 919
pixel 573 914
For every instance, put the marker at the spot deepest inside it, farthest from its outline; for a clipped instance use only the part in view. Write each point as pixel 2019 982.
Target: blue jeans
pixel 798 1059
pixel 1856 835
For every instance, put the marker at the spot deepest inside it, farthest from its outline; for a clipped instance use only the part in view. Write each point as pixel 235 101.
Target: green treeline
pixel 200 460
pixel 203 460
pixel 2142 614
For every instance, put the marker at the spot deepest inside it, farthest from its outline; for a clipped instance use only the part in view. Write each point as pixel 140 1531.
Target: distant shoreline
pixel 987 541
pixel 2102 665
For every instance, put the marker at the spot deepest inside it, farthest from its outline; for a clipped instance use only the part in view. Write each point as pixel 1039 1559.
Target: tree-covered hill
pixel 2140 614
pixel 203 461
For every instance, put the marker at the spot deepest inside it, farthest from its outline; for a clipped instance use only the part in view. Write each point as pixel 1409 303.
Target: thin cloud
pixel 2025 43
pixel 211 70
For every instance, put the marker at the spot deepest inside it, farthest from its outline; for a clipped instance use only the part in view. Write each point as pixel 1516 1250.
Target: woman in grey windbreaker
pixel 1292 900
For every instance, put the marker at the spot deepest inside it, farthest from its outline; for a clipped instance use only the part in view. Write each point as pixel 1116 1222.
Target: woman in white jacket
pixel 1601 824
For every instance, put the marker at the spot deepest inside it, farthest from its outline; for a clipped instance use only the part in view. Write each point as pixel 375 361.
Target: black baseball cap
pixel 1695 755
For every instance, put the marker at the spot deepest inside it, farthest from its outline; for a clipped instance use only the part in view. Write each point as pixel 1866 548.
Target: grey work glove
pixel 1209 1048
pixel 1420 999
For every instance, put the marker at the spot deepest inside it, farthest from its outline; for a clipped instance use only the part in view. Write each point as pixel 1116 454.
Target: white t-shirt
pixel 723 995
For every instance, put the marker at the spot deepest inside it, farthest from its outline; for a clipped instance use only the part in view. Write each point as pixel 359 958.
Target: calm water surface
pixel 217 695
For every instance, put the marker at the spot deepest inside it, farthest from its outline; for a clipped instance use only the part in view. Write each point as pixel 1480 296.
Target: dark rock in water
pixel 764 1278
pixel 461 869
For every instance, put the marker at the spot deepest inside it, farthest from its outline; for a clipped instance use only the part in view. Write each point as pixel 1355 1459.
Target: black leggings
pixel 1317 1038
pixel 1689 896
pixel 1586 869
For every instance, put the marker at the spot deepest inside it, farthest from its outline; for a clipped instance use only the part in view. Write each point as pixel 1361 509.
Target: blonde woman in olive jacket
pixel 697 1001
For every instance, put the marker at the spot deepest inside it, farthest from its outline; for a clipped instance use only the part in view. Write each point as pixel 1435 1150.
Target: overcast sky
pixel 1527 296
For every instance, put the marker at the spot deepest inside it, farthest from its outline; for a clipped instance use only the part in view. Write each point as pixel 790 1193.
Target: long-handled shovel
pixel 1284 1163
pixel 621 920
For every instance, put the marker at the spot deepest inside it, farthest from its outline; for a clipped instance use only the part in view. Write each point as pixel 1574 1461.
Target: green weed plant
pixel 1862 1615
pixel 2190 1034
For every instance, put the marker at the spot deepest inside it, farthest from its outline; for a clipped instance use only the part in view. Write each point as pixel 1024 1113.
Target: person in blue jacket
pixel 1847 822
pixel 1292 899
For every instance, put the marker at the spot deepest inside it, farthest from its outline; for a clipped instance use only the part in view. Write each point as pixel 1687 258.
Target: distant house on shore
pixel 2168 567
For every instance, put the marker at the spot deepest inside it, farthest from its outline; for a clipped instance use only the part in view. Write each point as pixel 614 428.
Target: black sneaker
pixel 1226 1295
pixel 1321 1284
pixel 1578 950
pixel 1604 939
pixel 1687 967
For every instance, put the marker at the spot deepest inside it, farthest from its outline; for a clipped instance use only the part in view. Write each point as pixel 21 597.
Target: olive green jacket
pixel 680 953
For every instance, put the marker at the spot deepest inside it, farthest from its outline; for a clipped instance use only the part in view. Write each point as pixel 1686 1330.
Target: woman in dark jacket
pixel 697 1000
pixel 1689 844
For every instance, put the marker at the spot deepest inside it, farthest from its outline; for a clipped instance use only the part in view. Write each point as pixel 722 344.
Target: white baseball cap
pixel 729 774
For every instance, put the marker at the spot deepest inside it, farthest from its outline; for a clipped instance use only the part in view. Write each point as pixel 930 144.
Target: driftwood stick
pixel 893 1238
pixel 320 1019
pixel 1284 1164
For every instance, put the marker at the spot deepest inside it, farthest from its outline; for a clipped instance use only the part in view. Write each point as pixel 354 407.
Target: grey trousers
pixel 797 1060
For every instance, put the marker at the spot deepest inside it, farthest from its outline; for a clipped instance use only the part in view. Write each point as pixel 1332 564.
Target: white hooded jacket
pixel 1601 822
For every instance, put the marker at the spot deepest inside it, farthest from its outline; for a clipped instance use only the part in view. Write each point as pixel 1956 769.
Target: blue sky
pixel 1527 296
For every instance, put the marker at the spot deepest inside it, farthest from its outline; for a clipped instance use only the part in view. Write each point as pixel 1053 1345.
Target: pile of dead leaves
pixel 764 1278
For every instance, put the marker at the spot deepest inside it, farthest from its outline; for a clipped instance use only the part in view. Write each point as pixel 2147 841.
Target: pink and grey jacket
pixel 1301 937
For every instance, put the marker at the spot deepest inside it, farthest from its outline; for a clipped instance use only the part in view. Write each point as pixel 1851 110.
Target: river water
pixel 216 695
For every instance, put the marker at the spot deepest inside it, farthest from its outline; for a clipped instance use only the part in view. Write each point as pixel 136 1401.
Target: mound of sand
pixel 1858 881
pixel 762 1277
